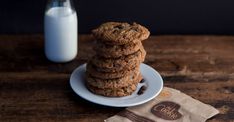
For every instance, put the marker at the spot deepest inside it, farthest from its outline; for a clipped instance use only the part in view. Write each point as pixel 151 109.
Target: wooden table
pixel 34 89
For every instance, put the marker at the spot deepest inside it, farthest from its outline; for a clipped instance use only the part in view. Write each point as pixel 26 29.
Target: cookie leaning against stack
pixel 114 70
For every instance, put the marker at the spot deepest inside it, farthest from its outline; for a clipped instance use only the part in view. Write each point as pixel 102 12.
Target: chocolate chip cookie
pixel 93 71
pixel 116 83
pixel 125 91
pixel 116 33
pixel 119 63
pixel 115 51
pixel 129 66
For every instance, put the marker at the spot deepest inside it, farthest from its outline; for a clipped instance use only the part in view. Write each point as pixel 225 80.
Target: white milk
pixel 60 34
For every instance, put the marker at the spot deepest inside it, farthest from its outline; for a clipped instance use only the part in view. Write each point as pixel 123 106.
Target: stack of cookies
pixel 114 70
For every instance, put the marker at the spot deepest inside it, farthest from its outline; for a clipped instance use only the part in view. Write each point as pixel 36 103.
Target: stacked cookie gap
pixel 114 70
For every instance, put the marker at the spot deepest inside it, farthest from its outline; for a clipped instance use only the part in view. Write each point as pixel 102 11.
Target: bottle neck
pixel 60 3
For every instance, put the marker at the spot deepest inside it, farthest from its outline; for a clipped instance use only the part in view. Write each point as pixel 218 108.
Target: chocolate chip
pixel 119 27
pixel 141 90
pixel 135 29
pixel 115 31
pixel 142 81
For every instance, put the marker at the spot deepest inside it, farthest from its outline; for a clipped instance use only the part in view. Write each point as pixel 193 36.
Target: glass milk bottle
pixel 60 27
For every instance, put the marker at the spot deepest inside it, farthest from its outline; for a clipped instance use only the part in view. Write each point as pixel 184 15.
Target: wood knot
pixel 224 109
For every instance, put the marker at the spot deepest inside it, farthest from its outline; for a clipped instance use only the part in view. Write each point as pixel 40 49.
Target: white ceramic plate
pixel 152 80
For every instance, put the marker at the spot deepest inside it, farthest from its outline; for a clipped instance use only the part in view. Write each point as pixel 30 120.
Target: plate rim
pixel 117 105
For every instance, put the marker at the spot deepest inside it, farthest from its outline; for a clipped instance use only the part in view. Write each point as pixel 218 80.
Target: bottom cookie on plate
pixel 115 92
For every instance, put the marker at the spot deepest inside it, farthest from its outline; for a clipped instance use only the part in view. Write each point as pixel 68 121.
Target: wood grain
pixel 34 89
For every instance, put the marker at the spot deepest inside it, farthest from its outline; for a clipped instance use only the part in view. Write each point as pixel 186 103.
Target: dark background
pixel 160 16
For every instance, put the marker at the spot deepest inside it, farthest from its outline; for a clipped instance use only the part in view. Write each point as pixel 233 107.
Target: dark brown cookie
pixel 115 51
pixel 92 70
pixel 129 66
pixel 119 63
pixel 125 91
pixel 116 83
pixel 110 92
pixel 116 33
